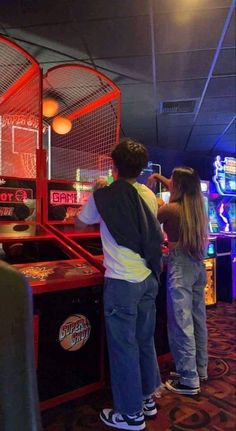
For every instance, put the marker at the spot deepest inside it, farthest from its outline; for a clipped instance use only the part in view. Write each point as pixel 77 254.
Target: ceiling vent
pixel 178 107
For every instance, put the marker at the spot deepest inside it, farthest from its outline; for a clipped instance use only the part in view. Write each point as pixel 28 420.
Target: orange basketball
pixel 74 332
pixel 50 107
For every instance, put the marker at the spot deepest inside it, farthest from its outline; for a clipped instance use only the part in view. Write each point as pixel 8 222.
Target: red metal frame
pixel 93 105
pixel 35 66
pixel 78 248
pixel 33 69
pixel 69 396
pixel 89 70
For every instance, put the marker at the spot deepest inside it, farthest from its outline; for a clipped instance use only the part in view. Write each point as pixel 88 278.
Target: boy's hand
pixel 100 183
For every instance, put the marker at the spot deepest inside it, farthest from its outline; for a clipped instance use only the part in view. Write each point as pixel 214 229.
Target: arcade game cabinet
pixel 222 217
pixel 68 330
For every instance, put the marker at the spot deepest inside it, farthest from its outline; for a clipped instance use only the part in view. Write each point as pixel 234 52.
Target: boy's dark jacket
pixel 130 222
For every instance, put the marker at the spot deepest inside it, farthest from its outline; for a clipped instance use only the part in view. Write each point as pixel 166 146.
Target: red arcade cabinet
pixel 68 329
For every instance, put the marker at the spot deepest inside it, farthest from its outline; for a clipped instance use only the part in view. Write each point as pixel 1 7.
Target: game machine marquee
pixel 79 157
pixel 222 217
pixel 68 330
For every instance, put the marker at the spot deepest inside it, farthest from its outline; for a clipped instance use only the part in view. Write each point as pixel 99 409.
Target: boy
pixel 131 238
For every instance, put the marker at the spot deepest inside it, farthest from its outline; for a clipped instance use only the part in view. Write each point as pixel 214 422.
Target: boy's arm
pixel 88 215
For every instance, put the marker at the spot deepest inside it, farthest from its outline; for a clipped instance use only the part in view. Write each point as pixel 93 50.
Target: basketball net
pixel 28 161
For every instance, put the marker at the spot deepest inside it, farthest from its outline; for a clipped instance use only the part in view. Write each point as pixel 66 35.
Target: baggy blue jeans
pixel 187 330
pixel 130 318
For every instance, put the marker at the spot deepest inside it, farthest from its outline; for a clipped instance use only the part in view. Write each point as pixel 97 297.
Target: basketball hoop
pixel 28 161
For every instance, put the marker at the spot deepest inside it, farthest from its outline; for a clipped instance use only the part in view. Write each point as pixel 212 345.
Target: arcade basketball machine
pixel 82 131
pixel 81 114
pixel 68 332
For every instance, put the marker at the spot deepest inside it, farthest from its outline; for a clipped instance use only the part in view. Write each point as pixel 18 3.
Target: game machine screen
pixel 223 213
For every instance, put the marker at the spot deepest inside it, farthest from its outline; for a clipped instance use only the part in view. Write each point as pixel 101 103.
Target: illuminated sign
pixel 68 197
pixel 225 175
pixel 15 195
pixel 6 211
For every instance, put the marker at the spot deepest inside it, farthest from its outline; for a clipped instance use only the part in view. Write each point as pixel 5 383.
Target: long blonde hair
pixel 186 190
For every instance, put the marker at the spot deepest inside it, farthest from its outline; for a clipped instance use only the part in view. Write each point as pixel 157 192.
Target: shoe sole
pixel 124 426
pixel 183 391
pixel 174 375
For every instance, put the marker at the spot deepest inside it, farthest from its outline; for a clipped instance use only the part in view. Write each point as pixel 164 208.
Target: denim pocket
pixel 124 312
pixel 111 312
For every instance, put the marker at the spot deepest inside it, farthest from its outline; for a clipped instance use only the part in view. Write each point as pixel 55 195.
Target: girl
pixel 185 223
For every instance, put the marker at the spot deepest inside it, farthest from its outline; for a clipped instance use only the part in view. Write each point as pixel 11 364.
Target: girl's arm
pixel 158 177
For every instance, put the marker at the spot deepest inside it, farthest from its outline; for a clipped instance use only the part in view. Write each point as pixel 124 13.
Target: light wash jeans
pixel 187 330
pixel 130 318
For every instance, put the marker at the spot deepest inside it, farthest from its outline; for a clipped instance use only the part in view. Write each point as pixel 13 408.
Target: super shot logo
pixel 74 332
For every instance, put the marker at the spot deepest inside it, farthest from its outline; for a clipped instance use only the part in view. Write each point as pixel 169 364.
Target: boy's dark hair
pixel 129 157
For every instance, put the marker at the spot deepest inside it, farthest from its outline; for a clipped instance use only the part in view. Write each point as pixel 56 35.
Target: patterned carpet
pixel 213 409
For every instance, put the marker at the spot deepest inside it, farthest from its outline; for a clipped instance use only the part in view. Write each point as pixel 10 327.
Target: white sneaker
pixel 123 422
pixel 149 408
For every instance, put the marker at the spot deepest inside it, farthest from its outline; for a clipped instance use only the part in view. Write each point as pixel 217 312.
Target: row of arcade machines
pixel 219 195
pixel 64 268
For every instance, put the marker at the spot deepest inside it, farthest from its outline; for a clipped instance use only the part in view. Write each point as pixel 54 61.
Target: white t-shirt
pixel 120 262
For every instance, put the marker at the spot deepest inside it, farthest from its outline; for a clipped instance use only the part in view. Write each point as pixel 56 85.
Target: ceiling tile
pixel 226 63
pixel 173 137
pixel 99 9
pixel 145 122
pixel 117 38
pixel 202 143
pixel 211 118
pixel 128 69
pixel 63 38
pixel 25 13
pixel 180 90
pixel 181 65
pixel 208 129
pixel 219 87
pixel 189 30
pixel 230 35
pixel 172 5
pixel 171 120
pixel 137 93
pixel 218 104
